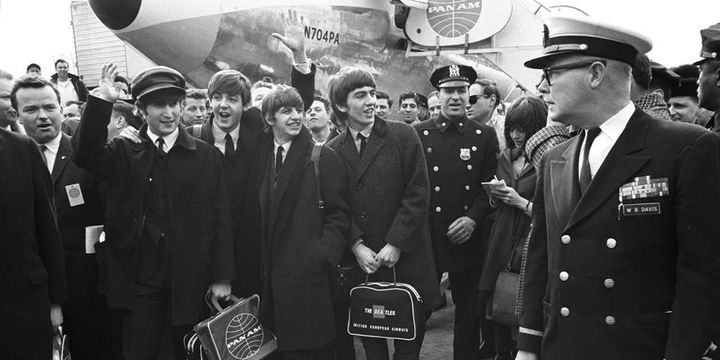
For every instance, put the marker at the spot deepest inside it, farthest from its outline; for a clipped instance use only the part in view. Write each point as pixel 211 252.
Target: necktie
pixel 585 176
pixel 42 151
pixel 229 147
pixel 279 159
pixel 161 147
pixel 362 139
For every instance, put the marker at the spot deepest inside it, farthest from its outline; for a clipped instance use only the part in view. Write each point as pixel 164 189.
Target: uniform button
pixel 363 214
pixel 465 207
pixel 478 131
pixel 443 124
pixel 610 320
pixel 564 311
pixel 460 124
pixel 149 179
pixel 467 187
pixel 429 150
pixel 438 209
pixel 437 189
pixel 474 148
pixel 436 169
pixel 426 133
pixel 565 239
pixel 611 243
pixel 564 275
pixel 469 167
pixel 609 283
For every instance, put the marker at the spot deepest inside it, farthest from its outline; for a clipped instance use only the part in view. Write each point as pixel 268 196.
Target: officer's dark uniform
pixel 460 154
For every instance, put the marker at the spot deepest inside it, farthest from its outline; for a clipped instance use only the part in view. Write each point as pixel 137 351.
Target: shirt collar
pixel 168 139
pixel 285 146
pixel 443 123
pixel 219 134
pixel 366 131
pixel 615 125
pixel 54 144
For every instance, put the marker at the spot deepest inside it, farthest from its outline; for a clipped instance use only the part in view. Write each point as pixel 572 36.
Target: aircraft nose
pixel 116 14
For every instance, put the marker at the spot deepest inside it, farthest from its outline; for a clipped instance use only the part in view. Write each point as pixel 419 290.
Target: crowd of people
pixel 124 207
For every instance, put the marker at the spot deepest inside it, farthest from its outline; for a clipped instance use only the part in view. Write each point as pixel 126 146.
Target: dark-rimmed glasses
pixel 474 98
pixel 548 71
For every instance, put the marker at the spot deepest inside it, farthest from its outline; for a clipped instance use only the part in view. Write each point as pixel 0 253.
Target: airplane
pixel 399 41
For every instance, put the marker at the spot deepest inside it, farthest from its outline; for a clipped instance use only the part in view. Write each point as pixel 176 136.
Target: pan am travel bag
pixel 388 310
pixel 235 332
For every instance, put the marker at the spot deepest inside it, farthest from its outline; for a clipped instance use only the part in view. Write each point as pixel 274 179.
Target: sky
pixel 39 31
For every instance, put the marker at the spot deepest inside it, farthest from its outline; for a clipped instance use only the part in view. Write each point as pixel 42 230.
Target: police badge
pixel 465 154
pixel 454 71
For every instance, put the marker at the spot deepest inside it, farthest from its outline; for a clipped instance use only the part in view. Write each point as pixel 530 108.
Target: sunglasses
pixel 474 98
pixel 549 71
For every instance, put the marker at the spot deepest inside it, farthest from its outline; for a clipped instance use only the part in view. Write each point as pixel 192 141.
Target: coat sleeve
pixel 334 187
pixel 481 205
pixel 90 149
pixel 305 84
pixel 222 252
pixel 47 234
pixel 694 313
pixel 412 216
pixel 530 333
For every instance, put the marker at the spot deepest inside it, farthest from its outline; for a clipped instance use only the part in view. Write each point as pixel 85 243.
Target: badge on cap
pixel 454 71
pixel 465 154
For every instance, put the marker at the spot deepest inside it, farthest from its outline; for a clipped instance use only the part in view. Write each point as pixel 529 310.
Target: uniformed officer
pixel 460 154
pixel 709 81
pixel 623 261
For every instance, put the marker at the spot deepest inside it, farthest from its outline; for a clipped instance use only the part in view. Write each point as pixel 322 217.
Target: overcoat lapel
pixel 349 151
pixel 373 146
pixel 62 158
pixel 563 180
pixel 619 167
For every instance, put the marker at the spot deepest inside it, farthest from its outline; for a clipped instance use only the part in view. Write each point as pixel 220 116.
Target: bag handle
pixel 394 277
pixel 213 304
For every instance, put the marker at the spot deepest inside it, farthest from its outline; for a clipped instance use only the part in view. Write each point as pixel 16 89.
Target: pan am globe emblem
pixel 453 18
pixel 244 336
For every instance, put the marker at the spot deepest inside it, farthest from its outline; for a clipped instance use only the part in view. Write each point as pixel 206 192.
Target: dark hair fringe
pixel 343 83
pixel 527 114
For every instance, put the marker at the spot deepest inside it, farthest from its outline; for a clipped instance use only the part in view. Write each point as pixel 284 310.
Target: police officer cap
pixel 710 44
pixel 157 78
pixel 566 35
pixel 453 76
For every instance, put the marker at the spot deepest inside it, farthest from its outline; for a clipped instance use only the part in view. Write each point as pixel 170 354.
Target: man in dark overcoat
pixel 32 266
pixel 79 205
pixel 167 218
pixel 301 243
pixel 389 198
pixel 624 260
pixel 460 155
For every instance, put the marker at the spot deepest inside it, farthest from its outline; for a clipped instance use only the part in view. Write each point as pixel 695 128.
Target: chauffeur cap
pixel 157 78
pixel 566 35
pixel 710 44
pixel 453 76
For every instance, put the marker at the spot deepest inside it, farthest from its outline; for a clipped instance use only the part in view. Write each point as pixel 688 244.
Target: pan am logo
pixel 452 18
pixel 244 336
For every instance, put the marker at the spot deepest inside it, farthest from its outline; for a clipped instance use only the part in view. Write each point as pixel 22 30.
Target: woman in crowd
pixel 514 202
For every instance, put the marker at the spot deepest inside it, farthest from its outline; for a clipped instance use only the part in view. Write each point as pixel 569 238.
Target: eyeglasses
pixel 474 98
pixel 548 71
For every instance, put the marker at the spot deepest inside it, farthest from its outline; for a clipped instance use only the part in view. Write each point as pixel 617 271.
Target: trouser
pixel 377 349
pixel 321 353
pixel 142 328
pixel 38 347
pixel 343 344
pixel 468 323
pixel 90 328
pixel 505 346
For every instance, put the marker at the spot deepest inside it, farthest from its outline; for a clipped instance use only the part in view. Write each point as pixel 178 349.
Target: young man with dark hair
pixel 390 197
pixel 69 85
pixel 384 104
pixel 79 205
pixel 167 224
pixel 408 108
pixel 301 243
pixel 652 102
pixel 317 120
pixel 482 104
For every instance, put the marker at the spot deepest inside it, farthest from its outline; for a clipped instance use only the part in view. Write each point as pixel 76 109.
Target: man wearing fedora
pixel 623 260
pixel 167 218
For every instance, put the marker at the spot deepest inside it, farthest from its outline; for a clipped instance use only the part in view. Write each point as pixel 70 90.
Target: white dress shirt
pixel 169 140
pixel 219 137
pixel 285 146
pixel 610 131
pixel 51 150
pixel 366 131
pixel 67 91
